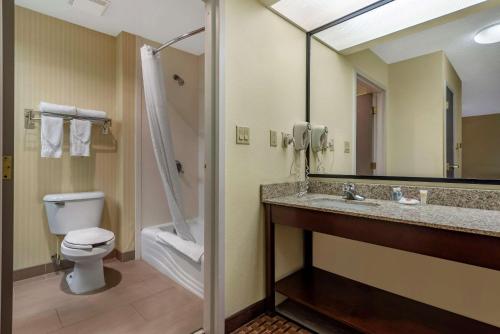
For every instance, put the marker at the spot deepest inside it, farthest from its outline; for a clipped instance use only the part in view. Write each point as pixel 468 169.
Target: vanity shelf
pixel 371 310
pixel 362 307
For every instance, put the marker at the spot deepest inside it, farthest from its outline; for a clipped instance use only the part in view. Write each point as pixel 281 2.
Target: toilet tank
pixel 73 211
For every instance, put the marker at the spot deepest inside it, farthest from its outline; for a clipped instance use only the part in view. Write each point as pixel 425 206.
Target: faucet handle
pixel 348 187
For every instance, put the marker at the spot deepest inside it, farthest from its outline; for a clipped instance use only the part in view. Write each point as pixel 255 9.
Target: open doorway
pixel 83 68
pixel 369 128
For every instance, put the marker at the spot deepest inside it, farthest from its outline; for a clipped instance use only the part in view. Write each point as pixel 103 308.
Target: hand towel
pixel 79 140
pixel 90 113
pixel 188 248
pixel 51 137
pixel 57 108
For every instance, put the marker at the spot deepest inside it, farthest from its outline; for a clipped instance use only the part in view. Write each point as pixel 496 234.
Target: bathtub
pixel 171 262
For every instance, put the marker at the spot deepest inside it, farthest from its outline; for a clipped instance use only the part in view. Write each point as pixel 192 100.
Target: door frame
pixel 447 87
pixel 213 197
pixel 379 142
pixel 7 138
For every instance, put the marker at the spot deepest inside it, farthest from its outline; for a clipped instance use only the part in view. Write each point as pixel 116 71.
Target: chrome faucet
pixel 349 191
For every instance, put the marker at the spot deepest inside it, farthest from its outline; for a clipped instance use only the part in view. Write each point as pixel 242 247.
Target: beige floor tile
pixel 186 320
pixel 174 301
pixel 42 322
pixel 115 321
pixel 136 292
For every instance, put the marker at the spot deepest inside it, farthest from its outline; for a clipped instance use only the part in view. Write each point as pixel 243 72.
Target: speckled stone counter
pixel 477 221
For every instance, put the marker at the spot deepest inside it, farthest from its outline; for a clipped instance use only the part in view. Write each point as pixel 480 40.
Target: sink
pixel 342 203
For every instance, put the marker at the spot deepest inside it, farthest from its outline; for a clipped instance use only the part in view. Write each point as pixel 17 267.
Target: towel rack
pixel 30 118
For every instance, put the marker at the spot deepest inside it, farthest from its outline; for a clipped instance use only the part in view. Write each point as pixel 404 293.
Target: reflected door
pixel 364 134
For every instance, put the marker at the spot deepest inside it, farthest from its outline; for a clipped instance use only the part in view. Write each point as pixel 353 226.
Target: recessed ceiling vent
pixel 93 7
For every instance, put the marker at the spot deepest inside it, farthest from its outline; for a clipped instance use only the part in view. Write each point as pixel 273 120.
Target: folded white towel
pixel 90 113
pixel 51 137
pixel 79 140
pixel 188 248
pixel 57 108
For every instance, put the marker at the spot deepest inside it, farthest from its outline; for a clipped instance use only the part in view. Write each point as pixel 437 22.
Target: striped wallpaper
pixel 64 63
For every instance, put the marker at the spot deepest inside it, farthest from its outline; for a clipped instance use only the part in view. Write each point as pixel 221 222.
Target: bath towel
pixel 79 140
pixel 51 137
pixel 90 113
pixel 188 248
pixel 57 108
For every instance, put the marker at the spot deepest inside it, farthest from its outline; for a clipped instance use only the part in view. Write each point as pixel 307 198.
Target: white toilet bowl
pixel 86 248
pixel 77 216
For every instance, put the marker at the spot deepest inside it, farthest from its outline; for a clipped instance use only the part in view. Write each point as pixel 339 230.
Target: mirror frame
pixel 309 36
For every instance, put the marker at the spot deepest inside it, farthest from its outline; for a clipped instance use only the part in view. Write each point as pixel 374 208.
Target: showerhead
pixel 179 80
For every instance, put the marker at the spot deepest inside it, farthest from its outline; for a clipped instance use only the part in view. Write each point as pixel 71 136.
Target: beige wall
pixel 370 66
pixel 415 117
pixel 64 63
pixel 333 90
pixel 481 140
pixel 333 83
pixel 126 62
pixel 264 89
pixel 187 124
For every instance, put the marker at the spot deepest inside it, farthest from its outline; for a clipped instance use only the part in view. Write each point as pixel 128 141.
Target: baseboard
pixel 51 267
pixel 41 269
pixel 125 256
pixel 242 317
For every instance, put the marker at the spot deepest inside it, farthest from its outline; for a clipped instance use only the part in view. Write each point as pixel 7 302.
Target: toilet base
pixel 86 277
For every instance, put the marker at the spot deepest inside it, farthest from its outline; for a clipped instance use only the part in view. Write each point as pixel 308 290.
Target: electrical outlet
pixel 347 147
pixel 242 135
pixel 273 138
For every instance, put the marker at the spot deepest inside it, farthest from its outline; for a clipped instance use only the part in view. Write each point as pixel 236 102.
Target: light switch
pixel 242 135
pixel 273 138
pixel 347 147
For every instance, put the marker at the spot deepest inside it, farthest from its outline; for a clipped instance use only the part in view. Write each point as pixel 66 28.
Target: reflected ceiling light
pixel 311 14
pixel 387 19
pixel 488 35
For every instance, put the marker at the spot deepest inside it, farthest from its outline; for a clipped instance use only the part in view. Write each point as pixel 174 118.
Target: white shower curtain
pixel 159 125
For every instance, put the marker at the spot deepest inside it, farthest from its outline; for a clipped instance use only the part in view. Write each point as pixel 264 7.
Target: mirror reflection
pixel 419 102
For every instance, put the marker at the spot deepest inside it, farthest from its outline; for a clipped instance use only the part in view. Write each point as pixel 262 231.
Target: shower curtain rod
pixel 179 38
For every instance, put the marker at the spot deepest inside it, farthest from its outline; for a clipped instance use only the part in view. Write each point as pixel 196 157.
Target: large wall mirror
pixel 408 98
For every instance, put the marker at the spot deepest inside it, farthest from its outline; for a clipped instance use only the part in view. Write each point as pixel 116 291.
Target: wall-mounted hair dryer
pixel 319 138
pixel 301 135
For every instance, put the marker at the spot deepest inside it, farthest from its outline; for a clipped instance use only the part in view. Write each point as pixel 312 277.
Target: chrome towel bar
pixel 30 118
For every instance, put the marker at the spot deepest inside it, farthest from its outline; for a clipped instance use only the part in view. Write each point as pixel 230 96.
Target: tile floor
pixel 138 299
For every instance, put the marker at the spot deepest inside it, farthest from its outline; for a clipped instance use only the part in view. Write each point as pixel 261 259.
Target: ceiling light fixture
pixel 488 35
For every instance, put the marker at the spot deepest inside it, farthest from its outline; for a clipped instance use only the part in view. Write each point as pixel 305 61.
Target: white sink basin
pixel 342 203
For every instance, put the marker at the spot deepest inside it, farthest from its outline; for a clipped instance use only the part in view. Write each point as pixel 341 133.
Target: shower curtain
pixel 159 125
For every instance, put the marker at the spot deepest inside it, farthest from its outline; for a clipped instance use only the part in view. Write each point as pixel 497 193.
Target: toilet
pixel 77 216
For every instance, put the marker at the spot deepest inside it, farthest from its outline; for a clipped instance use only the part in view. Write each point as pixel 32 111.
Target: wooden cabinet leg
pixel 270 261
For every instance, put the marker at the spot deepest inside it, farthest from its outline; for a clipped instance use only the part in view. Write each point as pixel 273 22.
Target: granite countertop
pixel 477 221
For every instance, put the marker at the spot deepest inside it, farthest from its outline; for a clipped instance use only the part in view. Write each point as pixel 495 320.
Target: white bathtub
pixel 170 261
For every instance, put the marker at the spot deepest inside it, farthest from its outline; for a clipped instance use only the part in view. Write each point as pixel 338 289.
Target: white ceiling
pixel 311 14
pixel 478 65
pixel 387 19
pixel 158 20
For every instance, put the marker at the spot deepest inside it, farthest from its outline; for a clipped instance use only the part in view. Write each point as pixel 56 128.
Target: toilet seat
pixel 88 238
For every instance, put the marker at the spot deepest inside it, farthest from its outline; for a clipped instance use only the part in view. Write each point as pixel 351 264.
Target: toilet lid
pixel 89 236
